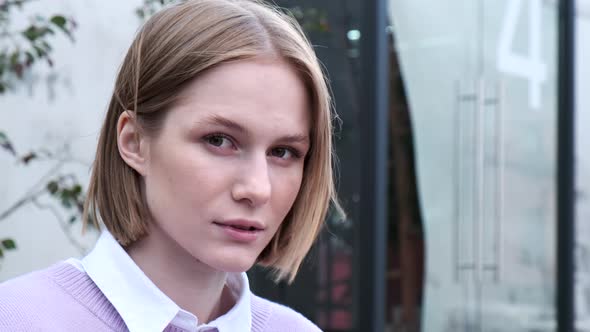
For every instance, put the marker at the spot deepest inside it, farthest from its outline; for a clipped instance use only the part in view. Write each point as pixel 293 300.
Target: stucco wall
pixel 35 117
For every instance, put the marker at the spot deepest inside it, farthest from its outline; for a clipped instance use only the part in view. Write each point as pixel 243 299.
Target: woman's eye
pixel 219 141
pixel 283 153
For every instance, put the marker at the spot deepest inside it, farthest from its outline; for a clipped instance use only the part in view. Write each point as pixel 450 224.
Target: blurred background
pixel 449 151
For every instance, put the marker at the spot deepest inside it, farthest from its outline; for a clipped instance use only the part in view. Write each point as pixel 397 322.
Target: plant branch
pixel 19 203
pixel 32 193
pixel 65 227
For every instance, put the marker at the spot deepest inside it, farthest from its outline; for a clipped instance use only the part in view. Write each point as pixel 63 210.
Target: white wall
pixel 34 119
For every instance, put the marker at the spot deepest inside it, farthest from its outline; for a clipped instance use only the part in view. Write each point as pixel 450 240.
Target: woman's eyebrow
pixel 231 124
pixel 225 122
pixel 298 138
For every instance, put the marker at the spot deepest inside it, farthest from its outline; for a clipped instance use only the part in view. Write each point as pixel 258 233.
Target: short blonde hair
pixel 172 49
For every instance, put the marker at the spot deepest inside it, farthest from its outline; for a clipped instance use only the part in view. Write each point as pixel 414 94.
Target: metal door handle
pixel 478 189
pixel 498 215
pixel 478 177
pixel 458 211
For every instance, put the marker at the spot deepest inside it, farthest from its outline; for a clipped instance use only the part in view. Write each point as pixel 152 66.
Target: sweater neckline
pixel 79 285
pixel 84 290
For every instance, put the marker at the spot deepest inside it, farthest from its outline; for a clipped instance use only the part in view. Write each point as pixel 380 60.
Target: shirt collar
pixel 142 305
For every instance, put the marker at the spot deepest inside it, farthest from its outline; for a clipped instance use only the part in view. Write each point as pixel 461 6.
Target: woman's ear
pixel 131 144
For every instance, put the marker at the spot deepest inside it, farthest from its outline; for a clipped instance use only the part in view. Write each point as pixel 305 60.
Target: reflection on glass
pixel 480 81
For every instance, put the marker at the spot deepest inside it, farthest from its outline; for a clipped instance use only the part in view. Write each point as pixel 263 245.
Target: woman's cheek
pixel 290 187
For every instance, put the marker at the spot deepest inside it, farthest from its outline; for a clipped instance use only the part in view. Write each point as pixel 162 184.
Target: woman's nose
pixel 253 182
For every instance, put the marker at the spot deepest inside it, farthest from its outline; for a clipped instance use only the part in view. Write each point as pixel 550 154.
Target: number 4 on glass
pixel 530 66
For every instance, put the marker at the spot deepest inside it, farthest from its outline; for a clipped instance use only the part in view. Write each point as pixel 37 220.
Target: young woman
pixel 215 155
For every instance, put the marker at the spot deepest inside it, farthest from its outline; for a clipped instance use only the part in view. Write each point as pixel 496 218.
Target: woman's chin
pixel 231 263
pixel 233 267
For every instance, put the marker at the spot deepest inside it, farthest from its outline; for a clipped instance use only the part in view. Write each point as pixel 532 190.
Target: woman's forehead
pixel 248 93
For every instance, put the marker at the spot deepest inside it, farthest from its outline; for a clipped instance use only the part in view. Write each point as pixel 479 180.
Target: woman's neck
pixel 192 285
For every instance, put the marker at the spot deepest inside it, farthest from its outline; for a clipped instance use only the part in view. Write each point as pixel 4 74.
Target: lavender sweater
pixel 61 298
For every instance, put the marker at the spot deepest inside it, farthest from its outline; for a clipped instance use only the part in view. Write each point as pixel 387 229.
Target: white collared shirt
pixel 142 305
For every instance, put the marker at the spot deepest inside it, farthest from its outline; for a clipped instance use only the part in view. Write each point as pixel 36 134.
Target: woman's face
pixel 226 167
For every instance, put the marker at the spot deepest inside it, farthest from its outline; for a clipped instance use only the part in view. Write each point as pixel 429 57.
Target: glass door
pixel 518 181
pixel 436 48
pixel 480 78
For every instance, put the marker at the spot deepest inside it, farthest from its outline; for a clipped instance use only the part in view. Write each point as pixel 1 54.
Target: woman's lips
pixel 241 230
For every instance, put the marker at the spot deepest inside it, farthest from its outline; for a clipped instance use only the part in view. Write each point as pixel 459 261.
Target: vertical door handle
pixel 499 167
pixel 476 195
pixel 478 178
pixel 460 192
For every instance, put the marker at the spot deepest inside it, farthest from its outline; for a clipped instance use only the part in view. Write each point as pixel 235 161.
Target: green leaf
pixel 47 30
pixel 30 58
pixel 66 203
pixel 40 52
pixel 59 20
pixel 14 58
pixel 139 12
pixel 9 244
pixel 6 144
pixel 52 187
pixel 1 253
pixel 45 45
pixel 65 194
pixel 76 190
pixel 32 33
